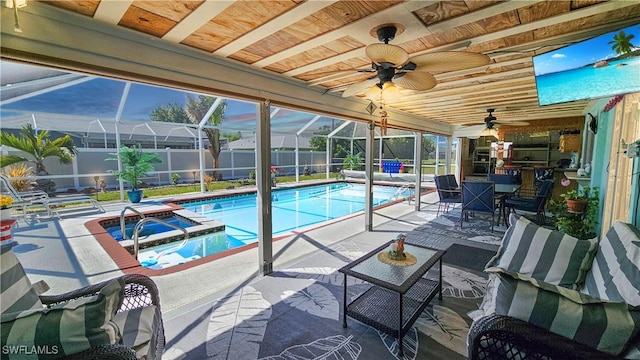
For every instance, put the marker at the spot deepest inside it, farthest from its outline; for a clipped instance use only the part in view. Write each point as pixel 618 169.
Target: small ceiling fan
pixel 396 71
pixel 491 122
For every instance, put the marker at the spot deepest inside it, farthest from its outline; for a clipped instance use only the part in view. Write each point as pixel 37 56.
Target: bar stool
pixel 515 171
pixel 540 174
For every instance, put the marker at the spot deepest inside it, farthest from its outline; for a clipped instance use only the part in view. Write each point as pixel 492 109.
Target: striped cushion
pixel 17 294
pixel 544 254
pixel 615 274
pixel 139 328
pixel 66 329
pixel 606 326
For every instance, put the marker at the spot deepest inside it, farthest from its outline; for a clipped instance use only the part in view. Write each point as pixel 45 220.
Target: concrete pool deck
pixel 67 256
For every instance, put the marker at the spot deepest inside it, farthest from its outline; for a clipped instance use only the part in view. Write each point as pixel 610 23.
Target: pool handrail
pixel 400 190
pixel 136 229
pixel 123 227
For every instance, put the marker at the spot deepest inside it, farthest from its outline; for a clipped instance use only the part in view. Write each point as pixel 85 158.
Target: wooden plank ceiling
pixel 313 40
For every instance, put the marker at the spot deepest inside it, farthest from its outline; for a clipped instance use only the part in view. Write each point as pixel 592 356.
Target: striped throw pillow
pixel 615 274
pixel 606 326
pixel 544 254
pixel 17 294
pixel 66 329
pixel 139 328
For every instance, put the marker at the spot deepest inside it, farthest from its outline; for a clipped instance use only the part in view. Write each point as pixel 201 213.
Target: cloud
pixel 558 56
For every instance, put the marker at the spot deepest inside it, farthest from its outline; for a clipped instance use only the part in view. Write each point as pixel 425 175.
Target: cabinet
pixel 530 156
pixel 482 161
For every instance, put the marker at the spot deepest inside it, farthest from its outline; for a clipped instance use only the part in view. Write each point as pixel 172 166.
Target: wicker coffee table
pixel 399 293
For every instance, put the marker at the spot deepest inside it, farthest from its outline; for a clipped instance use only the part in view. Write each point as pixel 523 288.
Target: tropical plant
pixel 135 164
pixel 20 171
pixel 621 43
pixel 196 109
pixel 39 146
pixel 581 226
pixel 193 112
pixel 352 161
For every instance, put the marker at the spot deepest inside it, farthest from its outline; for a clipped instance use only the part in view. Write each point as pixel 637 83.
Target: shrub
pixel 175 178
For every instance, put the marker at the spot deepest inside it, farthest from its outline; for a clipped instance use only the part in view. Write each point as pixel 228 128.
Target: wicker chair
pixel 140 291
pixel 503 337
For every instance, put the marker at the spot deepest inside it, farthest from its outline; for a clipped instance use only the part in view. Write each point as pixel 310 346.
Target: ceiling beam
pixel 200 16
pixel 112 11
pixel 290 17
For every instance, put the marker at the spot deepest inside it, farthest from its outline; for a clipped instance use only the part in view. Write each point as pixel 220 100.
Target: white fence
pixel 234 164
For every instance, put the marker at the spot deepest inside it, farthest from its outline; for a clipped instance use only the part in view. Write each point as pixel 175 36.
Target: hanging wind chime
pixel 383 122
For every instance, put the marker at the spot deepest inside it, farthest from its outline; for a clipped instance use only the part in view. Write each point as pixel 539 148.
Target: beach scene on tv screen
pixel 603 66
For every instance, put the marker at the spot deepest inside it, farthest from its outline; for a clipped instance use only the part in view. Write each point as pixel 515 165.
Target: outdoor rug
pixel 295 313
pixel 445 229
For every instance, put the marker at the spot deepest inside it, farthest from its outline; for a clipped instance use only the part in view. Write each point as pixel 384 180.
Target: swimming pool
pixel 292 209
pixel 149 228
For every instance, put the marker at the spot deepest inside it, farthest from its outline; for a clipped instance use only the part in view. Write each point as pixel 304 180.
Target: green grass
pixel 167 191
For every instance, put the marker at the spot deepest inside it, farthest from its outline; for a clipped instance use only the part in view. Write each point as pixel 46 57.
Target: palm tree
pixel 193 112
pixel 196 109
pixel 39 146
pixel 621 43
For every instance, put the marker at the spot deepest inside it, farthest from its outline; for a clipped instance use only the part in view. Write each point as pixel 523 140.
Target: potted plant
pixel 579 224
pixel 135 165
pixel 352 161
pixel 5 207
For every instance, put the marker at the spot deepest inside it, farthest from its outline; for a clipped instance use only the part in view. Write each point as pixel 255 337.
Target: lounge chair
pixel 38 198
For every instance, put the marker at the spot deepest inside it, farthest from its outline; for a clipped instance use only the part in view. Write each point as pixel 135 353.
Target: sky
pixel 99 98
pixel 581 53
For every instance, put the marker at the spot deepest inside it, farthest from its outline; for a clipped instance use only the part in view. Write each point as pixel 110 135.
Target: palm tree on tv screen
pixel 621 43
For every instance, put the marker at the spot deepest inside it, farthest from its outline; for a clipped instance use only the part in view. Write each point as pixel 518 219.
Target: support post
pixel 368 175
pixel 417 161
pixel 263 184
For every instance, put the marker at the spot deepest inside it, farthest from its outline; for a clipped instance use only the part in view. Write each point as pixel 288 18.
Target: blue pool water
pixel 589 82
pixel 292 209
pixel 148 228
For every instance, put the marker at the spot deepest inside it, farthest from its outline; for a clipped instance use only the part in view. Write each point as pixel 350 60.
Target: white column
pixel 417 160
pixel 263 184
pixel 447 156
pixel 437 169
pixel 368 175
pixel 168 149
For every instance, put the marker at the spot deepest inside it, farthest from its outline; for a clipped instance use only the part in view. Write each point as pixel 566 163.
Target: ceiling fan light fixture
pixel 388 93
pixel 373 93
pixel 490 132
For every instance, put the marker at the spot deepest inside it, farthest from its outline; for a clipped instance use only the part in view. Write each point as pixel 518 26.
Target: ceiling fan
pixel 491 122
pixel 396 71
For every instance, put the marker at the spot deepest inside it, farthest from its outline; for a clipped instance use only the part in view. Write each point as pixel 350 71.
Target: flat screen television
pixel 589 69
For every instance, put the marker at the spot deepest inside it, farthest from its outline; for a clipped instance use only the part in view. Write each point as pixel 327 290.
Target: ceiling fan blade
pixel 512 123
pixel 379 53
pixel 416 81
pixel 358 87
pixel 449 61
pixel 336 75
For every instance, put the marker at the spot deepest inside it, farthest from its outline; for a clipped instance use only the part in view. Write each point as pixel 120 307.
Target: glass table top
pixel 374 268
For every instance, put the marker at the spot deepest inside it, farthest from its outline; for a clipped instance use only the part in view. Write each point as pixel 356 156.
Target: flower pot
pixel 5 214
pixel 134 195
pixel 576 205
